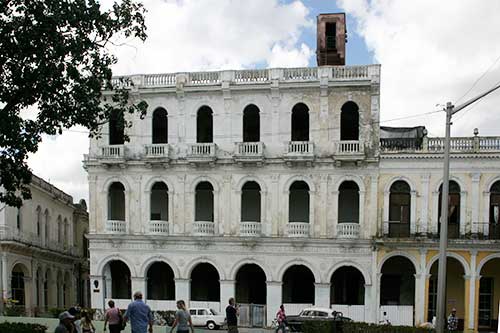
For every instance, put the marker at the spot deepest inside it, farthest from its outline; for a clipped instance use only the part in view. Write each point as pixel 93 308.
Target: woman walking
pixel 182 319
pixel 86 323
pixel 113 318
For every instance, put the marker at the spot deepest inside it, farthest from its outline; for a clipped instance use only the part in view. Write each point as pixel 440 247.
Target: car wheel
pixel 211 325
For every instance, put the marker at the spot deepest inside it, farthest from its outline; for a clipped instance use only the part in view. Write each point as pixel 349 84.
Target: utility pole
pixel 443 237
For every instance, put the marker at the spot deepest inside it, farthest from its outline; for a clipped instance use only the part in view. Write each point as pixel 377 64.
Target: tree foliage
pixel 55 58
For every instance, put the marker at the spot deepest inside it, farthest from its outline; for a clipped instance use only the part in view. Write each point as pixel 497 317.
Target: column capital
pixel 227 281
pixel 423 251
pixel 473 252
pixel 182 280
pixel 322 285
pixel 274 283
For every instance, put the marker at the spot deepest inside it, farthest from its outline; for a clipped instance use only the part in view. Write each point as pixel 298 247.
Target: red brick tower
pixel 331 35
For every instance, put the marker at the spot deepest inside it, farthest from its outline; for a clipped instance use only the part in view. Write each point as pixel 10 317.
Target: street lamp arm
pixel 472 100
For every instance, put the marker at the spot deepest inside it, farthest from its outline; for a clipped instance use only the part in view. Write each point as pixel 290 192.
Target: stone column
pixel 435 213
pixel 5 277
pixel 236 212
pixel 322 295
pixel 334 217
pixel 372 303
pixel 265 219
pixel 385 219
pixel 424 209
pixel 97 295
pixel 476 177
pixel 139 284
pixel 486 214
pixel 473 283
pixel 420 294
pixel 227 290
pixel 273 299
pixel 182 290
pixel 362 222
pixel 413 212
pixel 373 228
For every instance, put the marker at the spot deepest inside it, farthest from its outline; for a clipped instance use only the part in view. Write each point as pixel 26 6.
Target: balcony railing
pixel 116 226
pixel 113 151
pixel 156 150
pixel 249 150
pixel 250 229
pixel 297 229
pixel 475 144
pixel 300 149
pixel 349 147
pixel 398 229
pixel 203 228
pixel 348 230
pixel 202 150
pixel 158 227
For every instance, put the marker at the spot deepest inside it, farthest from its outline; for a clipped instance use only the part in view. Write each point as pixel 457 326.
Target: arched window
pixel 47 225
pixel 300 122
pixel 348 202
pixel 251 124
pixel 160 126
pixel 204 202
pixel 251 285
pixel 298 285
pixel 399 209
pixel 116 128
pixel 38 221
pixel 19 219
pixel 159 202
pixel 494 227
pixel 116 202
pixel 397 284
pixel 453 209
pixel 19 272
pixel 66 227
pixel 349 121
pixel 59 229
pixel 298 202
pixel 204 125
pixel 250 202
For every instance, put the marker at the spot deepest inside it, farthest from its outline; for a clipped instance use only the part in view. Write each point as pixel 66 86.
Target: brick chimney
pixel 332 36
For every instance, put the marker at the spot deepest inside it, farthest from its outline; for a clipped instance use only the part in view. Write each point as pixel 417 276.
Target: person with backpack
pixel 113 318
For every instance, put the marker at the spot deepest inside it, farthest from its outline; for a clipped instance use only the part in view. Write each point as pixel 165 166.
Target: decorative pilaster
pixel 227 290
pixel 322 295
pixel 182 289
pixel 474 279
pixel 475 177
pixel 273 299
pixel 372 229
pixel 424 209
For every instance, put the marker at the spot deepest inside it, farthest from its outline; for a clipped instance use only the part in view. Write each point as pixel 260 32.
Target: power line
pixel 479 79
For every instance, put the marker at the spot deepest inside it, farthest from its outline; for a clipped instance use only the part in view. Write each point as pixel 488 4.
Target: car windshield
pixel 213 312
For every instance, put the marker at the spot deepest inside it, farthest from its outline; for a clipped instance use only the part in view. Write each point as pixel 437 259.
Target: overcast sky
pixel 431 52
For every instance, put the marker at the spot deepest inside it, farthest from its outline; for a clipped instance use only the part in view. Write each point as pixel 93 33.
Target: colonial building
pixel 43 251
pixel 280 186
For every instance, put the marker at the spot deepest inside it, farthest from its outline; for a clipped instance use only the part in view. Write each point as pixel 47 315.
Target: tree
pixel 55 57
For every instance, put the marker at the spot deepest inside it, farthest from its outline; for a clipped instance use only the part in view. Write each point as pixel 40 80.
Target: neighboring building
pixel 279 186
pixel 43 251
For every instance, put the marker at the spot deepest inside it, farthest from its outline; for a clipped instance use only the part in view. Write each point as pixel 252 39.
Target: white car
pixel 208 318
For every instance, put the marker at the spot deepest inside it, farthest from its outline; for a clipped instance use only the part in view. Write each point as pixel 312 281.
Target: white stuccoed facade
pixel 324 244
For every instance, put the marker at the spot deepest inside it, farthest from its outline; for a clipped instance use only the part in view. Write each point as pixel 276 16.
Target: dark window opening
pixel 204 202
pixel 348 202
pixel 250 202
pixel 116 128
pixel 159 202
pixel 349 122
pixel 298 202
pixel 399 209
pixel 160 282
pixel 17 286
pixel 330 32
pixel 298 285
pixel 494 227
pixel 251 124
pixel 453 209
pixel 251 285
pixel 204 125
pixel 116 202
pixel 300 122
pixel 347 287
pixel 160 126
pixel 397 282
pixel 121 283
pixel 205 284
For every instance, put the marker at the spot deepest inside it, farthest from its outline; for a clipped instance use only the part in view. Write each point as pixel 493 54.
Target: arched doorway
pixel 455 289
pixel 204 125
pixel 159 202
pixel 160 126
pixel 205 285
pixel 300 122
pixel 489 296
pixel 348 202
pixel 204 202
pixel 118 280
pixel 18 288
pixel 347 286
pixel 250 202
pixel 298 202
pixel 453 209
pixel 399 209
pixel 160 282
pixel 116 202
pixel 298 285
pixel 251 285
pixel 349 122
pixel 251 124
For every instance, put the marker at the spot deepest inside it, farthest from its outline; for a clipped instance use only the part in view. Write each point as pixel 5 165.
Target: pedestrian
pixel 453 321
pixel 182 319
pixel 113 318
pixel 232 313
pixel 86 323
pixel 281 318
pixel 139 314
pixel 65 323
pixel 75 312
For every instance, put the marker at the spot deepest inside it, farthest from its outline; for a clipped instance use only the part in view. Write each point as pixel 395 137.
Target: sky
pixel 431 52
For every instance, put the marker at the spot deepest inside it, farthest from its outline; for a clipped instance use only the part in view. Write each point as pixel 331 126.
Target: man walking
pixel 232 313
pixel 139 314
pixel 453 321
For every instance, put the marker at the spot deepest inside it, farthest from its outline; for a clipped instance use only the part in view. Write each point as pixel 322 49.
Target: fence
pixel 252 315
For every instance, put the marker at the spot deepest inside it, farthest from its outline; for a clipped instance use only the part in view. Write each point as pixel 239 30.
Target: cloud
pixel 432 52
pixel 188 35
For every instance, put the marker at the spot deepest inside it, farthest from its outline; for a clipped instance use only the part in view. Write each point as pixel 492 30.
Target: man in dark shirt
pixel 232 317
